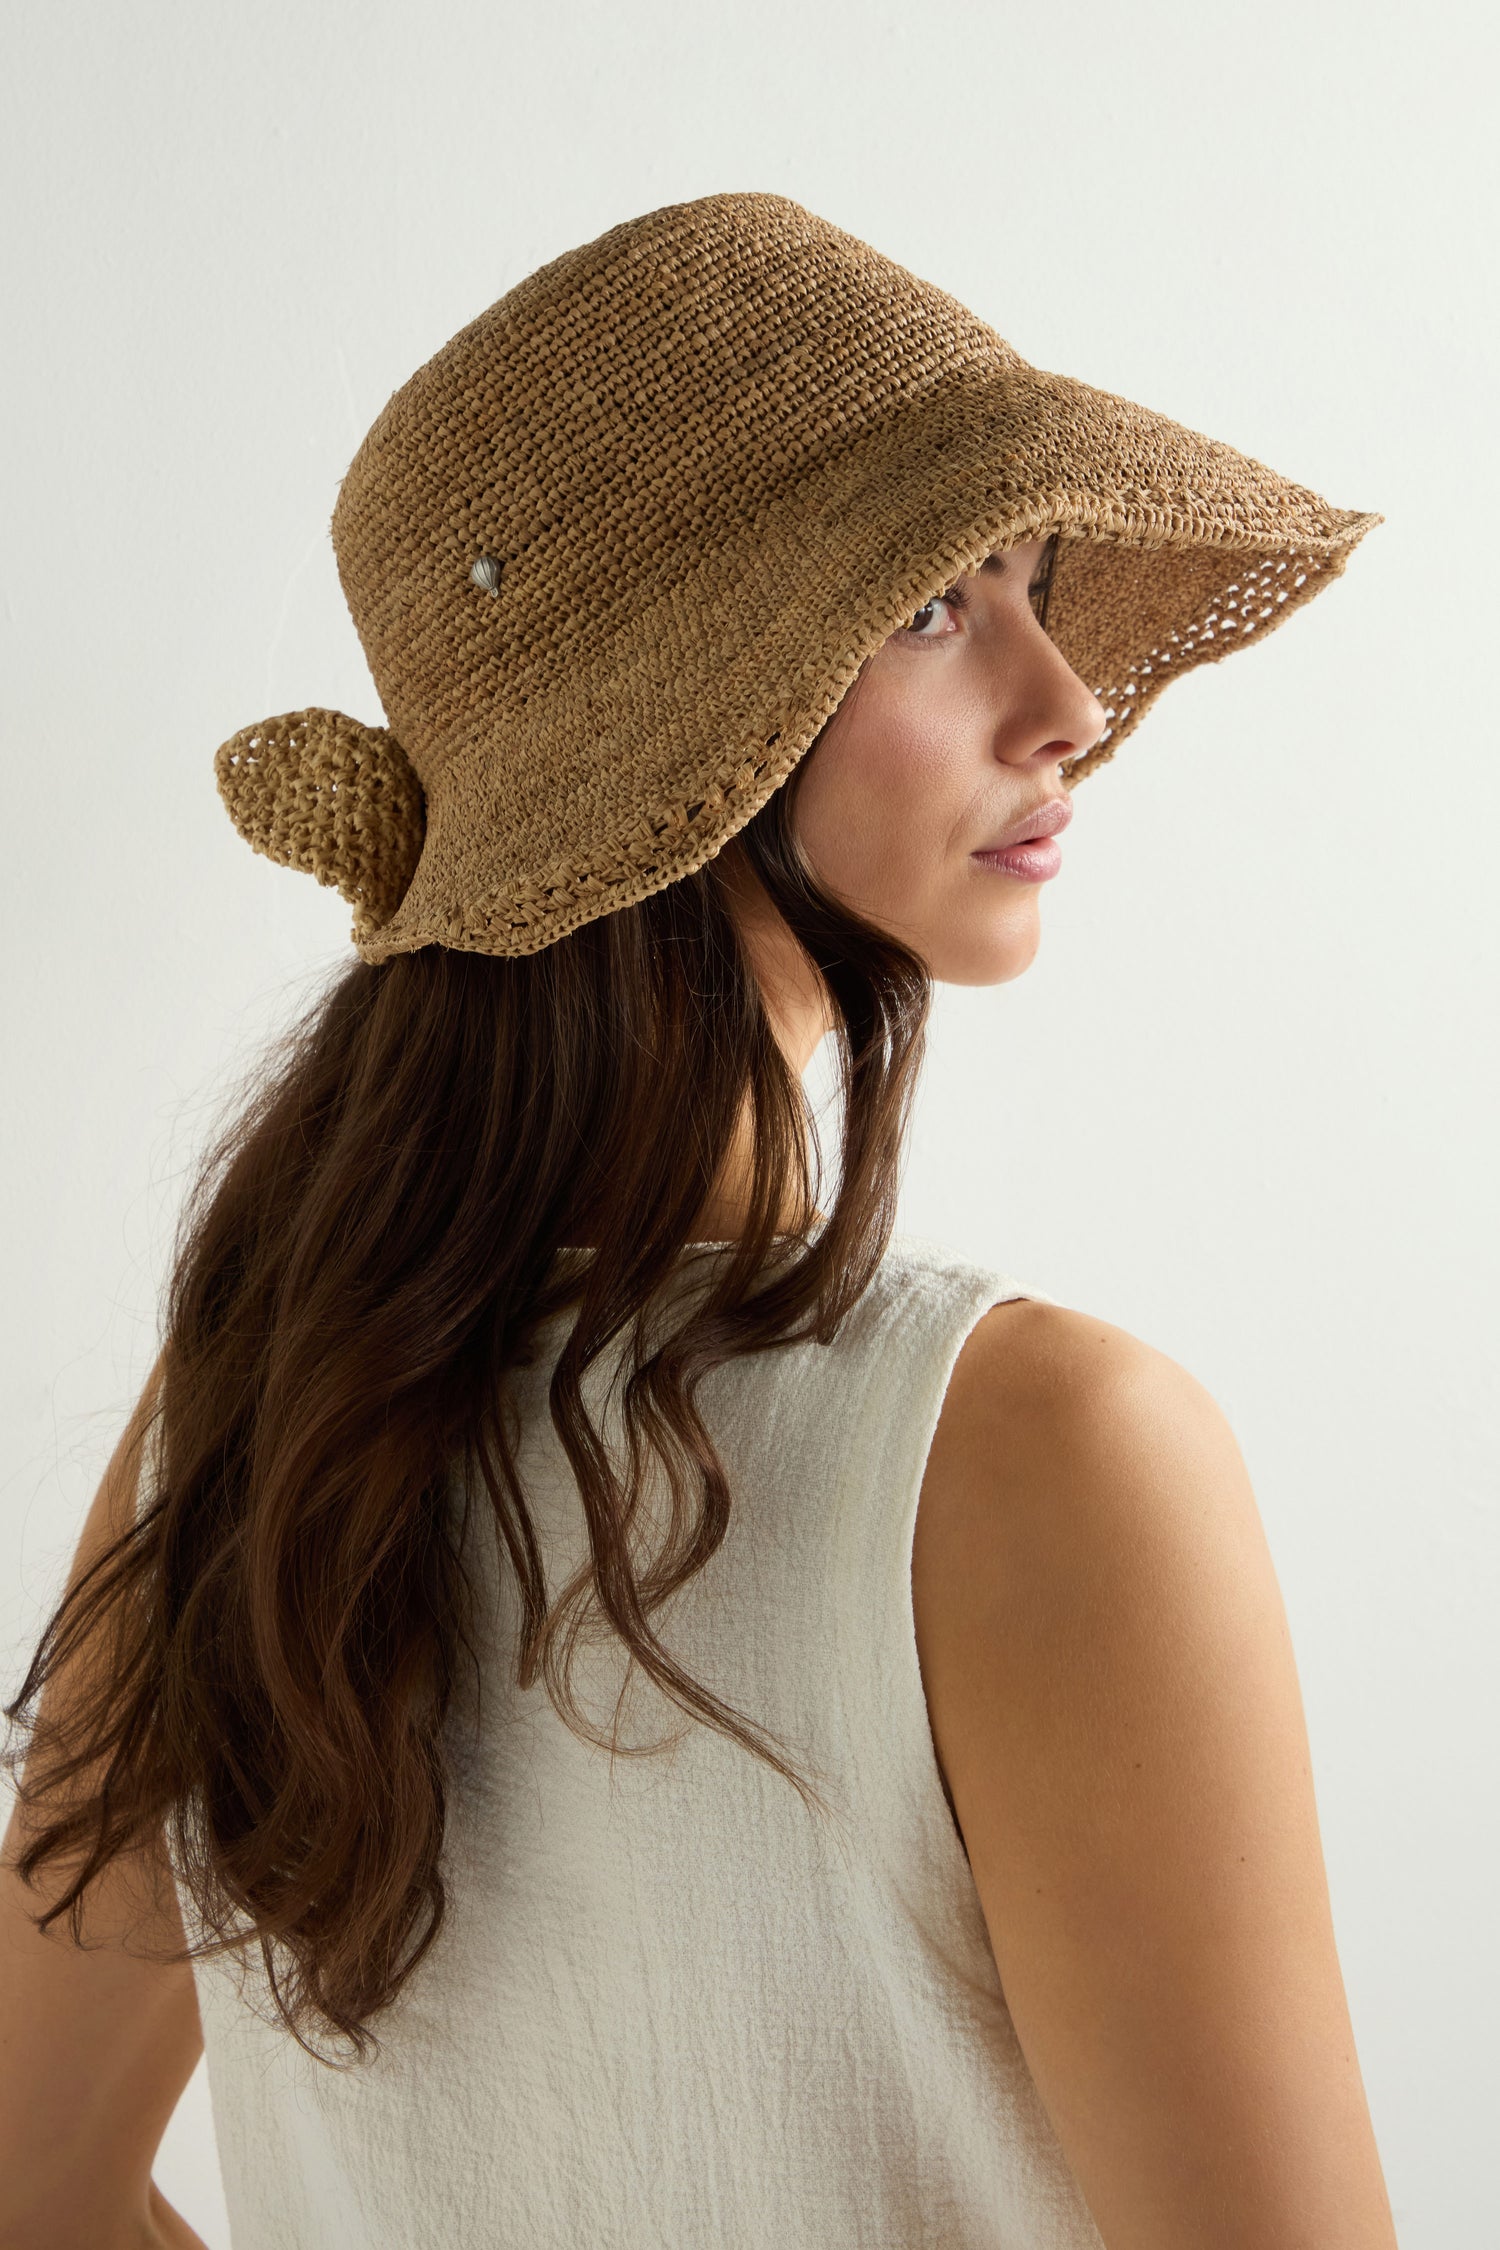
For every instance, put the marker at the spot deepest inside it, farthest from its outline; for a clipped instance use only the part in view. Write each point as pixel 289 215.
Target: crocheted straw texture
pixel 714 458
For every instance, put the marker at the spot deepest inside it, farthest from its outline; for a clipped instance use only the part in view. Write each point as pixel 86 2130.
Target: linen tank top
pixel 670 2007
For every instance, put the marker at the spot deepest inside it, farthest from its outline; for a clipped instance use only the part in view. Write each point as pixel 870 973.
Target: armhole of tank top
pixel 996 1289
pixel 1002 1291
pixel 921 1332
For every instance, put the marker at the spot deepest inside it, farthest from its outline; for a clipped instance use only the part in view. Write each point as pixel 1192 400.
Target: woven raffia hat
pixel 616 553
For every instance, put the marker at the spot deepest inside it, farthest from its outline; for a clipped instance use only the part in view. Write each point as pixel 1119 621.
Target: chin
pixel 993 956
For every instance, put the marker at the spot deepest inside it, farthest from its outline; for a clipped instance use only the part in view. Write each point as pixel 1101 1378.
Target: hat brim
pixel 1174 551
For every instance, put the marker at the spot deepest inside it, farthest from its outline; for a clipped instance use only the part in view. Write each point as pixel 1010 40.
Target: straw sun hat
pixel 617 551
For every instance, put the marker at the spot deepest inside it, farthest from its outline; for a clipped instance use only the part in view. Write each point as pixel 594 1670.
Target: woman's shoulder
pixel 1062 1427
pixel 1030 1359
pixel 1078 1481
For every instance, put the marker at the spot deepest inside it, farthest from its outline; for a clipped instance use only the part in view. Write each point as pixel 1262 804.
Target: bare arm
pixel 95 2044
pixel 1116 1709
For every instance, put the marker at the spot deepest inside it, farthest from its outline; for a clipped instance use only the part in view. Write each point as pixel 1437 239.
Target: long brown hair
pixel 361 1255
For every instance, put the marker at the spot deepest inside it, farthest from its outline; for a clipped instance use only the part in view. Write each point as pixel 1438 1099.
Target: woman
pixel 736 600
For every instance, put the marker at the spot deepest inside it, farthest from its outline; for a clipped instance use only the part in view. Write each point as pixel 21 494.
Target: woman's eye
pixel 914 626
pixel 957 598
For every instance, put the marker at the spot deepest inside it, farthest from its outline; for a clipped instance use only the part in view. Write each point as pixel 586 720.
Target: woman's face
pixel 953 731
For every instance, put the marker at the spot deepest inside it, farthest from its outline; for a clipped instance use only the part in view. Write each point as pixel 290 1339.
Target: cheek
pixel 882 801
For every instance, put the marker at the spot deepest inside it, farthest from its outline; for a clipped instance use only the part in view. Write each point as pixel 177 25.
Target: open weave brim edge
pixel 913 503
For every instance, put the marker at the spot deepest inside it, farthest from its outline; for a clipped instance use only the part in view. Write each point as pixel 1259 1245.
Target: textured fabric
pixel 617 551
pixel 672 2008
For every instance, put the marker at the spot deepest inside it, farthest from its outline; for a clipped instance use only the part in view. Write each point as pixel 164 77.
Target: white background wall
pixel 1243 1103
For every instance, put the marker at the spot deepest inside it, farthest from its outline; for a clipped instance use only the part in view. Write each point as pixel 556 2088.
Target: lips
pixel 1046 819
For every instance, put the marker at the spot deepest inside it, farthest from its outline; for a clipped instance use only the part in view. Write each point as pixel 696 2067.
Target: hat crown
pixel 622 409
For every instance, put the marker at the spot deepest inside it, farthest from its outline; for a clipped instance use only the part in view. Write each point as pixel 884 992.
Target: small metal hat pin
pixel 486 573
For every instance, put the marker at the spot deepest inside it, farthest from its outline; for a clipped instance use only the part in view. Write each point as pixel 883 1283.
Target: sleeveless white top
pixel 671 2008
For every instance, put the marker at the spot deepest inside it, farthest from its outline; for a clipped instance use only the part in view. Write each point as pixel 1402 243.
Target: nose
pixel 1049 707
